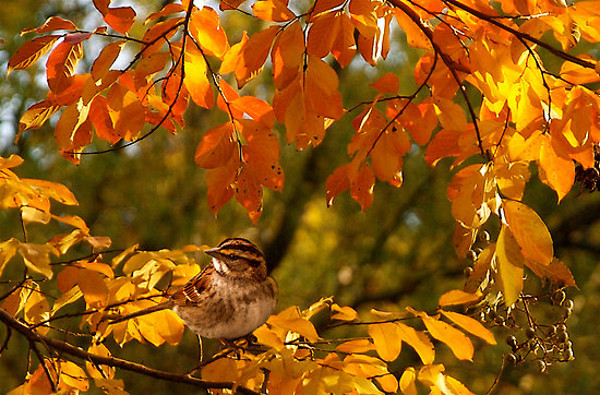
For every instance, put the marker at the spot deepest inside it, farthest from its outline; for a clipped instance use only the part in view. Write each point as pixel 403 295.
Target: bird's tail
pixel 161 306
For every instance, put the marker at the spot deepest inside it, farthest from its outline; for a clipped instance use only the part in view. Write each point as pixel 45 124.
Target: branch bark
pixel 76 352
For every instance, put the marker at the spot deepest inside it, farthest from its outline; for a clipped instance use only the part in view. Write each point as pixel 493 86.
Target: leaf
pixel 336 183
pixel 53 23
pixel 196 80
pixel 205 26
pixel 216 148
pixel 361 188
pixel 457 297
pixel 290 319
pixel 257 109
pixel 105 60
pixel 556 272
pixel 37 115
pixel 509 264
pixel 557 169
pixel 30 52
pixel 460 344
pixel 343 313
pixel 272 10
pixel 62 61
pixel 95 291
pixel 8 249
pixel 530 232
pixel 36 257
pixel 119 18
pixel 37 309
pixel 53 190
pixel 470 325
pixel 451 115
pixel 253 54
pixel 355 346
pixel 387 84
pixel 126 112
pixel 407 381
pixel 387 340
pixel 73 376
pixel 419 341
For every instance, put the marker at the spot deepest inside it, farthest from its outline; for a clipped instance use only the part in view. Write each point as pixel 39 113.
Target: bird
pixel 229 298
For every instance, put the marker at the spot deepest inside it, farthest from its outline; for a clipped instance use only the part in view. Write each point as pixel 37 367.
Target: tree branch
pixel 73 351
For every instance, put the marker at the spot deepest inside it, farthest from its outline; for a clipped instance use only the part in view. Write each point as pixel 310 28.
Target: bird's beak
pixel 214 252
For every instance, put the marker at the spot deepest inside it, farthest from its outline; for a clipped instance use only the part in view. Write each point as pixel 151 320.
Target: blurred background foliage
pixel 397 253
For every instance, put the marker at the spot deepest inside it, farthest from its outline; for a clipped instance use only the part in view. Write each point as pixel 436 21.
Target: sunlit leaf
pixel 509 264
pixel 530 232
pixel 272 10
pixel 407 382
pixel 460 344
pixel 30 52
pixel 457 297
pixel 387 340
pixel 419 341
pixel 470 325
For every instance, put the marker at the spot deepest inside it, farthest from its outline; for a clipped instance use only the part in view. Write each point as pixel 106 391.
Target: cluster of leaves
pixel 483 96
pixel 291 355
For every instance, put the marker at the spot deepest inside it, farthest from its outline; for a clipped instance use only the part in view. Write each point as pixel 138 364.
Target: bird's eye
pixel 234 257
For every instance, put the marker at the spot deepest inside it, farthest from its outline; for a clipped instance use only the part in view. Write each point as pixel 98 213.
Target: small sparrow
pixel 229 298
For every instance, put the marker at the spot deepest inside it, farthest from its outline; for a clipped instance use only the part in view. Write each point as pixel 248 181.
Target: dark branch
pixel 76 352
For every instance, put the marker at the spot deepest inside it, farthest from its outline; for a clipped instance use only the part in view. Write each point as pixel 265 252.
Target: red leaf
pixel 249 193
pixel 337 183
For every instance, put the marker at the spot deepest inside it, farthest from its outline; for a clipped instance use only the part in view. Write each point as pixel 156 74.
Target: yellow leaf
pixel 471 325
pixel 196 80
pixel 557 168
pixel 387 340
pixel 37 309
pixel 356 346
pixel 556 272
pixel 264 335
pixel 451 115
pixel 432 375
pixel 458 342
pixel 111 386
pixel 223 369
pixel 509 263
pixel 343 313
pixel 169 326
pixel 456 387
pixel 457 297
pixel 290 319
pixel 8 249
pixel 407 382
pixel 36 257
pixel 419 341
pixel 530 232
pixel 73 376
pixel 73 294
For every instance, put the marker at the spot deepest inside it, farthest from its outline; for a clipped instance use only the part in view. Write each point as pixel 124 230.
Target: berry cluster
pixel 590 178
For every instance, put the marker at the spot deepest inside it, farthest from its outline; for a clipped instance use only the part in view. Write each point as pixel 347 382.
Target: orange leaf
pixel 322 34
pixel 95 291
pixel 557 169
pixel 451 115
pixel 457 297
pixel 509 264
pixel 458 342
pixel 419 341
pixel 386 337
pixel 119 18
pixel 51 24
pixel 407 382
pixel 414 35
pixel 287 53
pixel 107 57
pixel 206 28
pixel 126 112
pixel 216 148
pixel 232 57
pixel 272 10
pixel 471 325
pixel 257 109
pixel 387 84
pixel 254 54
pixel 249 193
pixel 291 320
pixel 30 52
pixel 361 188
pixel 336 183
pixel 529 231
pixel 61 62
pixel 261 153
pixel 100 118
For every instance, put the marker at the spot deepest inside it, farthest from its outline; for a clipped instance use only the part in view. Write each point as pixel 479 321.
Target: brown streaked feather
pixel 191 292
